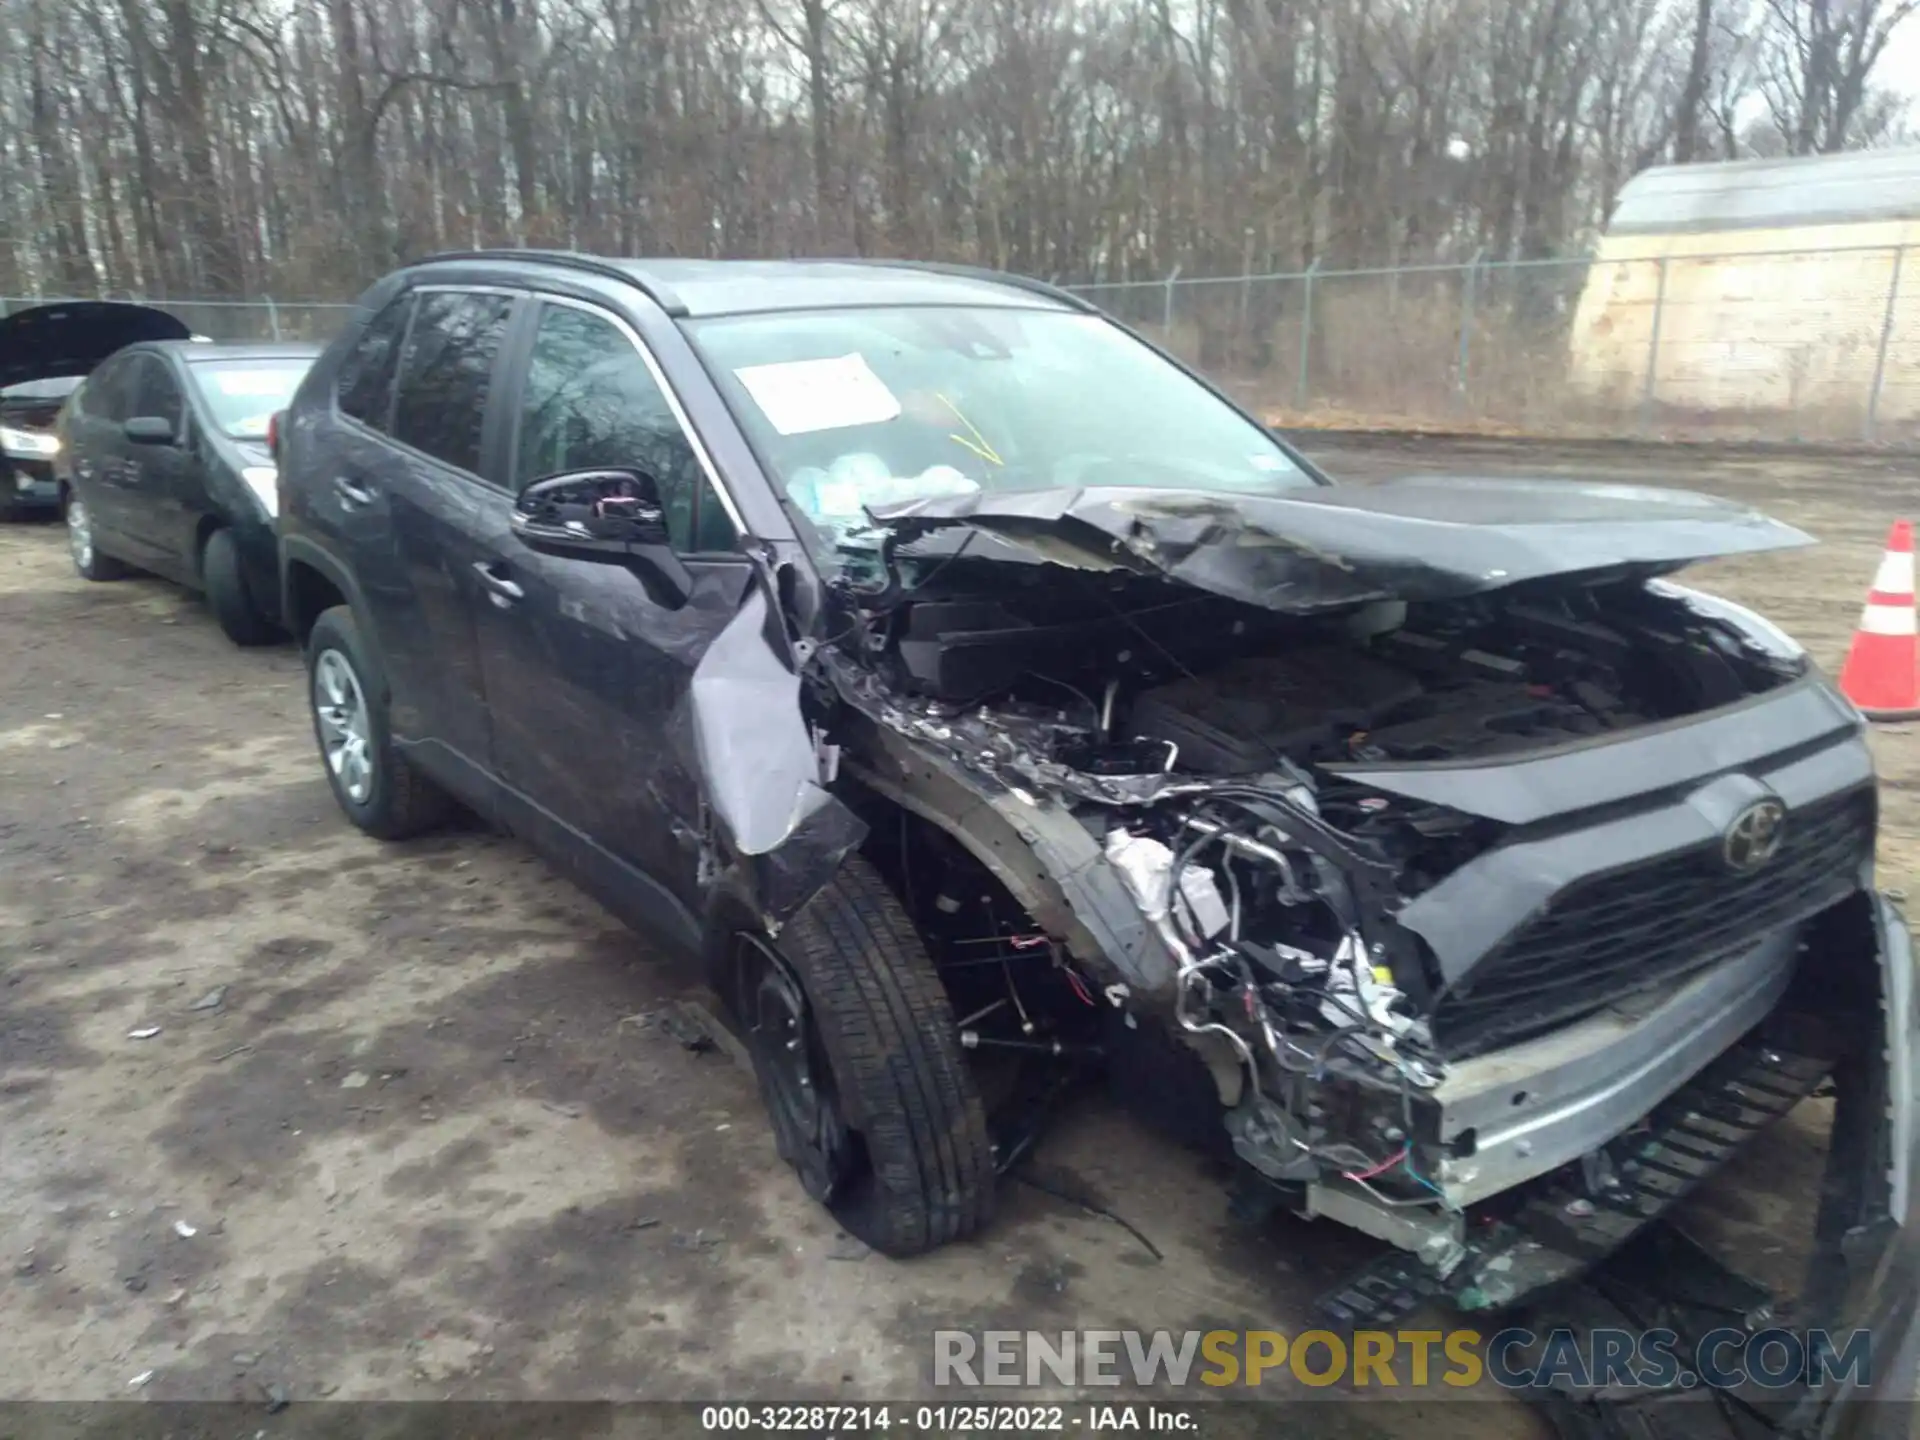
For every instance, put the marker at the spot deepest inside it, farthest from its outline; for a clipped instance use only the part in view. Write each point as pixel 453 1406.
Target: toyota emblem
pixel 1754 836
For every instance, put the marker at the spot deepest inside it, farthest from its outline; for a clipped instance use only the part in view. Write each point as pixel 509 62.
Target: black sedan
pixel 164 466
pixel 45 353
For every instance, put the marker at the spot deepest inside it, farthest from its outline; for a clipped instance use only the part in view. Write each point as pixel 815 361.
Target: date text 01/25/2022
pixel 947 1419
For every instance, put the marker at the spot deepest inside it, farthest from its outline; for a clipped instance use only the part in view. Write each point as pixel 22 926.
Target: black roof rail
pixel 572 260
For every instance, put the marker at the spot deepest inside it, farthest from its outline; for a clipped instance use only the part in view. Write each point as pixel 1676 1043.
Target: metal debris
pixel 141 1379
pixel 212 1000
pixel 184 1230
pixel 145 1032
pixel 356 1080
pixel 685 1028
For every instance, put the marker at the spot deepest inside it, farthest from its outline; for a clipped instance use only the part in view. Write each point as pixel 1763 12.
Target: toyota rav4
pixel 977 689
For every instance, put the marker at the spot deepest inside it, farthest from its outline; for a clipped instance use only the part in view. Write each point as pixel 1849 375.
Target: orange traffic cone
pixel 1882 673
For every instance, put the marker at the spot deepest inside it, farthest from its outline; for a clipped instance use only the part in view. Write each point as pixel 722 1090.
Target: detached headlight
pixel 28 444
pixel 264 481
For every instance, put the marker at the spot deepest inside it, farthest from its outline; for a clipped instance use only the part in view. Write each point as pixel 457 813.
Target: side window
pixel 445 374
pixel 591 401
pixel 107 391
pixel 156 391
pixel 365 381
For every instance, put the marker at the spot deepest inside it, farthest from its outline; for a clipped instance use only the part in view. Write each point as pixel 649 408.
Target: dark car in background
pixel 164 466
pixel 45 353
pixel 27 444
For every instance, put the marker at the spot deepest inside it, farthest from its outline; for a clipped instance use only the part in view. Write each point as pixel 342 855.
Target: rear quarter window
pixel 364 385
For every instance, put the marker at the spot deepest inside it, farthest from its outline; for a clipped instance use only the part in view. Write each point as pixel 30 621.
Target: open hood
pixel 70 337
pixel 1425 537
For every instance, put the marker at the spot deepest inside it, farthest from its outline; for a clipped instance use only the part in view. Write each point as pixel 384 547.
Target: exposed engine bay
pixel 1234 766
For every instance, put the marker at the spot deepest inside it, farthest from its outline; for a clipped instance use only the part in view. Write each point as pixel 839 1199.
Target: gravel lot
pixel 414 1107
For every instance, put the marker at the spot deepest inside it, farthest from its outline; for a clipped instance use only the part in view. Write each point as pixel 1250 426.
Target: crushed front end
pixel 1486 923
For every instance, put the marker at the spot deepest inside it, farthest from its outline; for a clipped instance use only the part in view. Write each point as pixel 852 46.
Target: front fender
pixel 760 771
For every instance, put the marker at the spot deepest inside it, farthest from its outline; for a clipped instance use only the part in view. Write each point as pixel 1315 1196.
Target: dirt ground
pixel 409 1127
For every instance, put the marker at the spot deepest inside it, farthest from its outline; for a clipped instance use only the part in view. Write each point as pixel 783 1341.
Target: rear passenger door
pixel 584 666
pixel 444 517
pixel 347 506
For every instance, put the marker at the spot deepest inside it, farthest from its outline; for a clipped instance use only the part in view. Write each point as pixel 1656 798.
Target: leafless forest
pixel 232 147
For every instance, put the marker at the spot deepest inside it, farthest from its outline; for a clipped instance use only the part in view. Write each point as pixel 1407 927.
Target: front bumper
pixel 28 482
pixel 1533 1107
pixel 1869 1220
pixel 1550 1274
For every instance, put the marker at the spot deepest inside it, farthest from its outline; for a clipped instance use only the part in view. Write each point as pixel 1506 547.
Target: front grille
pixel 1605 938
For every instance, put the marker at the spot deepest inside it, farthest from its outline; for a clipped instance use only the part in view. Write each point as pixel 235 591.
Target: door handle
pixel 502 591
pixel 352 493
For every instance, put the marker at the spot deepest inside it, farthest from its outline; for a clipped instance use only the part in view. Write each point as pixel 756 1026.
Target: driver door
pixel 586 662
pixel 97 463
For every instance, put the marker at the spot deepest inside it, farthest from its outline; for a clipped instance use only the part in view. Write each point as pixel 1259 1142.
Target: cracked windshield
pixel 866 408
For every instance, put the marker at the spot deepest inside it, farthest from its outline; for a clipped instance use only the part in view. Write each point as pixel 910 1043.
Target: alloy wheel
pixel 809 1130
pixel 79 534
pixel 340 705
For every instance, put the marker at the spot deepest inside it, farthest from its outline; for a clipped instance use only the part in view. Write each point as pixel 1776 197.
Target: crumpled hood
pixel 1427 537
pixel 70 337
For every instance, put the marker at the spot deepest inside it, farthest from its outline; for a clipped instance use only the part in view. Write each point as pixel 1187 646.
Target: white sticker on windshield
pixel 802 396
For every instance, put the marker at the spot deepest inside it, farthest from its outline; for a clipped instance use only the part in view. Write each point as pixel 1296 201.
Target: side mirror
pixel 612 516
pixel 149 430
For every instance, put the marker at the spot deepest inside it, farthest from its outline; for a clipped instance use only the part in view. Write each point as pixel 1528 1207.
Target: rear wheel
pixel 378 787
pixel 227 594
pixel 88 558
pixel 861 1069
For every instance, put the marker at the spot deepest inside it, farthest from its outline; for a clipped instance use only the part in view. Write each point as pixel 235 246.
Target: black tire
pixel 89 560
pixel 903 1162
pixel 227 594
pixel 398 800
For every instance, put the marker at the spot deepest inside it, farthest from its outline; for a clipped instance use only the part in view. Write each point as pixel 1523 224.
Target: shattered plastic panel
pixel 761 767
pixel 1421 538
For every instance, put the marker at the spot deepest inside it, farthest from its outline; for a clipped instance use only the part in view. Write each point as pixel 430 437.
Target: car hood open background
pixel 71 337
pixel 1425 537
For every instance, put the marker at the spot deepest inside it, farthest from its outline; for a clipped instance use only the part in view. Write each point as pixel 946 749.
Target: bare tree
pixel 1819 58
pixel 221 147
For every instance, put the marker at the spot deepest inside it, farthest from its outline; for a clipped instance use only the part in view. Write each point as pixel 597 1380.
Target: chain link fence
pixel 1792 345
pixel 1796 345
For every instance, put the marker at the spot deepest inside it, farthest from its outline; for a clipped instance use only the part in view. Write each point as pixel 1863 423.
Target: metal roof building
pixel 1761 288
pixel 1855 188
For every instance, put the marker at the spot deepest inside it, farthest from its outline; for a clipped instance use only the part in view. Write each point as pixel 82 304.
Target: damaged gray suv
pixel 986 699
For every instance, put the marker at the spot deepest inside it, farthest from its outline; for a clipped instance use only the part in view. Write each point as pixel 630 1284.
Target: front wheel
pixel 860 1065
pixel 378 787
pixel 91 562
